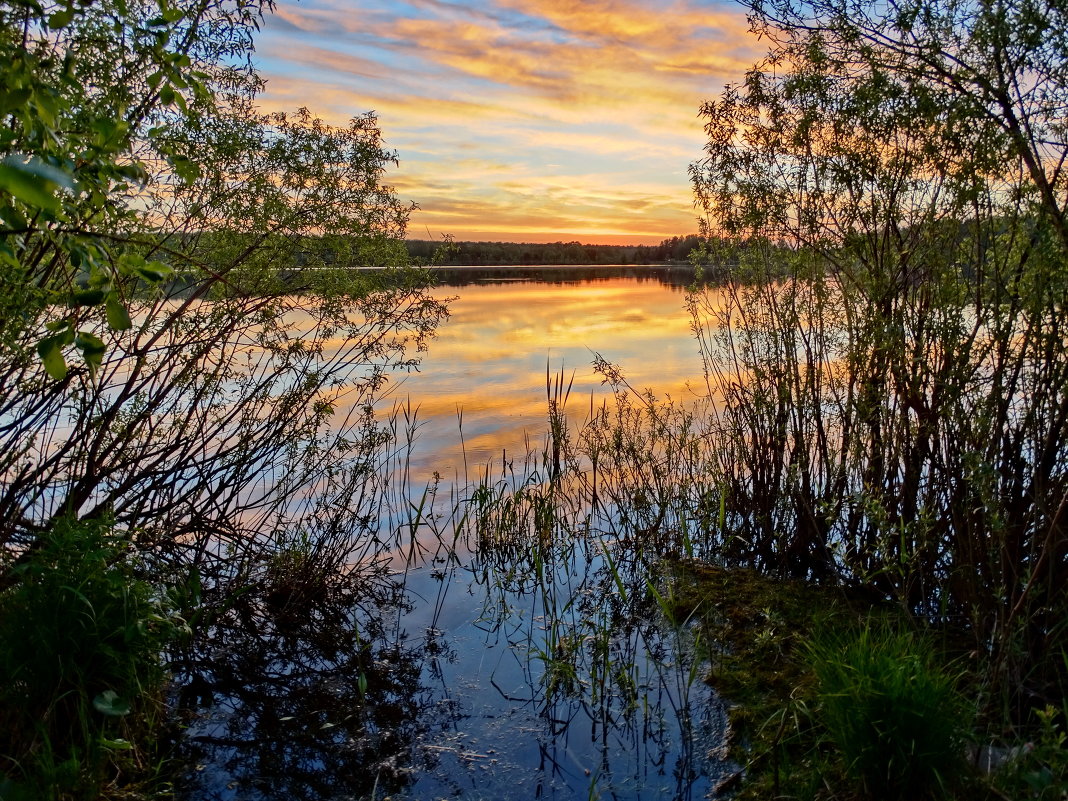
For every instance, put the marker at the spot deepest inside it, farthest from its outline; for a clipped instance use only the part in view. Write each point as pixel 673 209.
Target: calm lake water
pixel 525 680
pixel 488 362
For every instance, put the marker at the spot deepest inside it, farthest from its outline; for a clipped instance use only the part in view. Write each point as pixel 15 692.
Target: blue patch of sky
pixel 528 24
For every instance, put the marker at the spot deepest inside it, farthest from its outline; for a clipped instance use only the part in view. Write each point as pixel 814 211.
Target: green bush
pixel 80 670
pixel 1038 769
pixel 892 710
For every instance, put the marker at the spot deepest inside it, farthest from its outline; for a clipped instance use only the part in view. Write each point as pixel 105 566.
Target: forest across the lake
pixel 675 249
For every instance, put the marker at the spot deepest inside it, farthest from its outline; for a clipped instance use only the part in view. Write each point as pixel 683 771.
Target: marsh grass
pixel 893 709
pixel 830 696
pixel 577 535
pixel 642 485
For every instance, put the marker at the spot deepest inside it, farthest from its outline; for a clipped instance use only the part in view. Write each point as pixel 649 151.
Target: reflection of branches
pixel 294 689
pixel 600 667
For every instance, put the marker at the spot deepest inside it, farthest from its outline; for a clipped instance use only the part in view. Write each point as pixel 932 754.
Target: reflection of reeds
pixel 576 534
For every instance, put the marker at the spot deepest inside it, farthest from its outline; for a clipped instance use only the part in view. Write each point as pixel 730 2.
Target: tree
pixel 198 255
pixel 895 412
pixel 189 359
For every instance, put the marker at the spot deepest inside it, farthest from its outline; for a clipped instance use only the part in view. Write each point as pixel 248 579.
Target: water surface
pixel 525 670
pixel 487 365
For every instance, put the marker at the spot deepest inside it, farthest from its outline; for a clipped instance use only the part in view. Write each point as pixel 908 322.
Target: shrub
pixel 80 665
pixel 1039 769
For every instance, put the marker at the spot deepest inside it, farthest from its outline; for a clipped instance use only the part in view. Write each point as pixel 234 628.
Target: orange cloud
pixel 530 119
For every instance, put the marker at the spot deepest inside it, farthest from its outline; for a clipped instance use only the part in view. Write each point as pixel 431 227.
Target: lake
pixel 520 672
pixel 507 327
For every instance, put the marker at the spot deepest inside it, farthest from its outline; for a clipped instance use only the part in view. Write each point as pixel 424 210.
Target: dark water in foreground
pixel 522 670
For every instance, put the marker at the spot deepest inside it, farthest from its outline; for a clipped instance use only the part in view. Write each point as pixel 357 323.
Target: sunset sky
pixel 519 120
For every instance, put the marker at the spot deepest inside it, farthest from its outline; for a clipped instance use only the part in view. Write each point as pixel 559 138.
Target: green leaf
pixel 92 348
pixel 8 257
pixel 88 342
pixel 186 169
pixel 118 316
pixel 65 335
pixel 153 271
pixel 47 108
pixel 14 99
pixel 110 133
pixel 88 297
pixel 61 19
pixel 12 215
pixel 52 357
pixel 135 172
pixel 44 171
pixel 32 181
pixel 111 704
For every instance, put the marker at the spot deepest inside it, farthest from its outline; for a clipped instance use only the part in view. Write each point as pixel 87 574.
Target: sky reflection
pixel 488 363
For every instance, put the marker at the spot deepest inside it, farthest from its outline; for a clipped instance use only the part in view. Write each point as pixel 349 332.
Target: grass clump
pixel 80 669
pixel 892 709
pixel 831 693
pixel 755 628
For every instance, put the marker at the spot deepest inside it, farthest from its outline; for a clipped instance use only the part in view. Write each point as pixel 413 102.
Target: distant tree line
pixel 677 248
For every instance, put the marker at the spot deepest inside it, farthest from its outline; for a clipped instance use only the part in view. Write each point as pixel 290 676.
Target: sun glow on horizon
pixel 519 120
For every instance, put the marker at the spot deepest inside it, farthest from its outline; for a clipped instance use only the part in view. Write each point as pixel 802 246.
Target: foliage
pixel 755 629
pixel 217 341
pixel 1038 769
pixel 191 334
pixel 92 90
pixel 80 671
pixel 892 710
pixel 893 410
pixel 832 695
